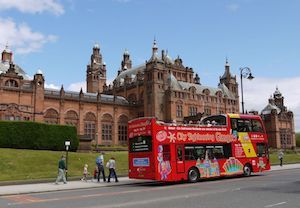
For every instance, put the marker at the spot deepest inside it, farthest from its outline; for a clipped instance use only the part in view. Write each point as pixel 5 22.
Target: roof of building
pixel 269 108
pixel 4 66
pixel 131 73
pixel 87 96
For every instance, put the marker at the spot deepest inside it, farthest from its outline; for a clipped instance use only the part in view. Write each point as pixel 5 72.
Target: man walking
pixel 61 170
pixel 280 156
pixel 100 165
pixel 111 165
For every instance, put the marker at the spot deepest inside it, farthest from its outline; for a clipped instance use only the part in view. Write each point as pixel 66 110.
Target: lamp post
pixel 245 73
pixel 67 144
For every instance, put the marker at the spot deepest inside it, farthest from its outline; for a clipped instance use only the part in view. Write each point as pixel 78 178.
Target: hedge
pixel 39 136
pixel 298 139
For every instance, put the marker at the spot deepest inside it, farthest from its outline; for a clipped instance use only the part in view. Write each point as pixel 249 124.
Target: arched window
pixel 11 83
pixel 179 109
pixel 122 129
pixel 107 126
pixel 90 125
pixel 71 118
pixel 51 116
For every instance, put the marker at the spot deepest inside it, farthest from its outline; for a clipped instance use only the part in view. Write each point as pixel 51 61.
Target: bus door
pixel 180 158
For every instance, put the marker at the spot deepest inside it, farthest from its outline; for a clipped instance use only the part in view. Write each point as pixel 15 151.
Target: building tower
pixel 96 72
pixel 279 99
pixel 154 86
pixel 229 80
pixel 7 55
pixel 38 95
pixel 126 62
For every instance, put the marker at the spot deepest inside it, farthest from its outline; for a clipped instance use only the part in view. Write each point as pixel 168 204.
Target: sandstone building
pixel 162 87
pixel 279 122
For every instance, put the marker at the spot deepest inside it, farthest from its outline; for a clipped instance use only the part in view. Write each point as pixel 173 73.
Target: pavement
pixel 71 185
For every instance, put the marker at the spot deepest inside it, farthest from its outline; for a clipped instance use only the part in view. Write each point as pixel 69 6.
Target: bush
pixel 32 135
pixel 297 139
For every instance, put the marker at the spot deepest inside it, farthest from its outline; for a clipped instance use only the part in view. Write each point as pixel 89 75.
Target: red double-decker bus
pixel 220 145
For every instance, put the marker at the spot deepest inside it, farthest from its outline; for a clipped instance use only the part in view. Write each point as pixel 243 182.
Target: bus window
pixel 257 126
pixel 209 152
pixel 261 149
pixel 199 151
pixel 140 144
pixel 179 153
pixel 233 123
pixel 243 125
pixel 189 152
pixel 218 152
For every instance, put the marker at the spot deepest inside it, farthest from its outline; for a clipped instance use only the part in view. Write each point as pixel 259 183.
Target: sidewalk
pixel 45 187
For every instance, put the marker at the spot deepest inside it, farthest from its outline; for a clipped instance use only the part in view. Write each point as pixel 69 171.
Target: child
pixel 85 173
pixel 95 172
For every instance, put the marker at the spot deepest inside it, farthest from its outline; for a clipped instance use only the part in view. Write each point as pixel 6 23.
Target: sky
pixel 57 37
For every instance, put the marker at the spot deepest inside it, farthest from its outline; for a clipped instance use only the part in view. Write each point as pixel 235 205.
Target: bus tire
pixel 247 170
pixel 193 175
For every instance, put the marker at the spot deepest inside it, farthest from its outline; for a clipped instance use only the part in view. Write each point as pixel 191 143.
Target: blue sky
pixel 57 37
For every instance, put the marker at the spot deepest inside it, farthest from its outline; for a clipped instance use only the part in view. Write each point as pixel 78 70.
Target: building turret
pixel 7 55
pixel 39 93
pixel 126 62
pixel 96 72
pixel 229 80
pixel 278 99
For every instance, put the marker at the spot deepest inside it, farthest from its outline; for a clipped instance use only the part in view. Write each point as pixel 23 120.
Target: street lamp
pixel 245 73
pixel 67 144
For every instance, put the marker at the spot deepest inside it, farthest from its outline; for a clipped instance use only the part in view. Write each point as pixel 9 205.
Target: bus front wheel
pixel 193 175
pixel 247 170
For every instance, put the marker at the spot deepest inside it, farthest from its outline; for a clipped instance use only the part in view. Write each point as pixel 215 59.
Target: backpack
pixel 99 160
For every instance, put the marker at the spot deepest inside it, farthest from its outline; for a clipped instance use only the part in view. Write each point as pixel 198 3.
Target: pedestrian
pixel 61 170
pixel 95 172
pixel 85 173
pixel 280 156
pixel 111 165
pixel 100 166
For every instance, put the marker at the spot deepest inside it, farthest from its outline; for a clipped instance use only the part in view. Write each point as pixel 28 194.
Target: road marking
pixel 273 205
pixel 23 198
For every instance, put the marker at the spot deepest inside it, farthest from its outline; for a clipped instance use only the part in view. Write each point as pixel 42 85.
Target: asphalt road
pixel 278 189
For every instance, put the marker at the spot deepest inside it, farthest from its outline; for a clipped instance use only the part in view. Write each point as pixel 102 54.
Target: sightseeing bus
pixel 219 145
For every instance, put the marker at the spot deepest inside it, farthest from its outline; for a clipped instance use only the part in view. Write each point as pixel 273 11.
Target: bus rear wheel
pixel 193 175
pixel 247 170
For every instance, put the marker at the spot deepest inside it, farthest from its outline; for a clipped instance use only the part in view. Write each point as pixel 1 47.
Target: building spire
pixel 154 47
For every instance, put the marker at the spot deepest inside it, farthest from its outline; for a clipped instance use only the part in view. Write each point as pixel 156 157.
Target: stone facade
pixel 161 87
pixel 279 123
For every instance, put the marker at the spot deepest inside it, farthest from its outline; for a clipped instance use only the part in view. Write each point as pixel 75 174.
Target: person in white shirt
pixel 111 165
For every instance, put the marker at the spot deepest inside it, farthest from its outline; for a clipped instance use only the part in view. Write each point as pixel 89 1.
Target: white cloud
pixel 52 86
pixel 33 6
pixel 21 37
pixel 233 7
pixel 258 91
pixel 77 86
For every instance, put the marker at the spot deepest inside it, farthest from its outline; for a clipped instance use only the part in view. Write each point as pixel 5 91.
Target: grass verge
pixel 19 164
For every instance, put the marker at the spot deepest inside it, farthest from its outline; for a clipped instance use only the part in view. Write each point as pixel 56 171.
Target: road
pixel 278 189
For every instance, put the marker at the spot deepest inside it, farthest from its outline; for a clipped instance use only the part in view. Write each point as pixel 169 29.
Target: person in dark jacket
pixel 100 165
pixel 61 170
